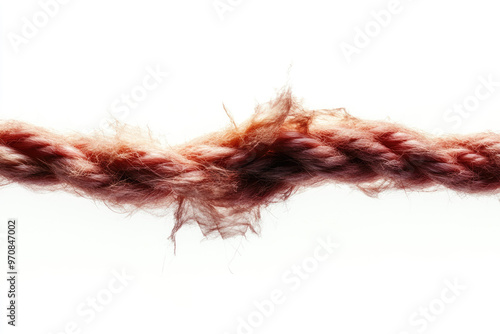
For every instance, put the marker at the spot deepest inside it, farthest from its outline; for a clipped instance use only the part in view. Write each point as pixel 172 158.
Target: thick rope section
pixel 220 181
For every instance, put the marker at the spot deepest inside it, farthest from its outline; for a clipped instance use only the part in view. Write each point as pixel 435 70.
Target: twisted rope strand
pixel 222 180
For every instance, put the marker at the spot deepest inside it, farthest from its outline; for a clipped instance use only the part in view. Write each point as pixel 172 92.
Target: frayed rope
pixel 221 181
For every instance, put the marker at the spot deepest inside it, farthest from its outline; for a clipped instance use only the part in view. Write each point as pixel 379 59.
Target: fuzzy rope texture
pixel 220 181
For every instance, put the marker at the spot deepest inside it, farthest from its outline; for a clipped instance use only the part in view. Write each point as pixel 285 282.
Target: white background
pixel 396 252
